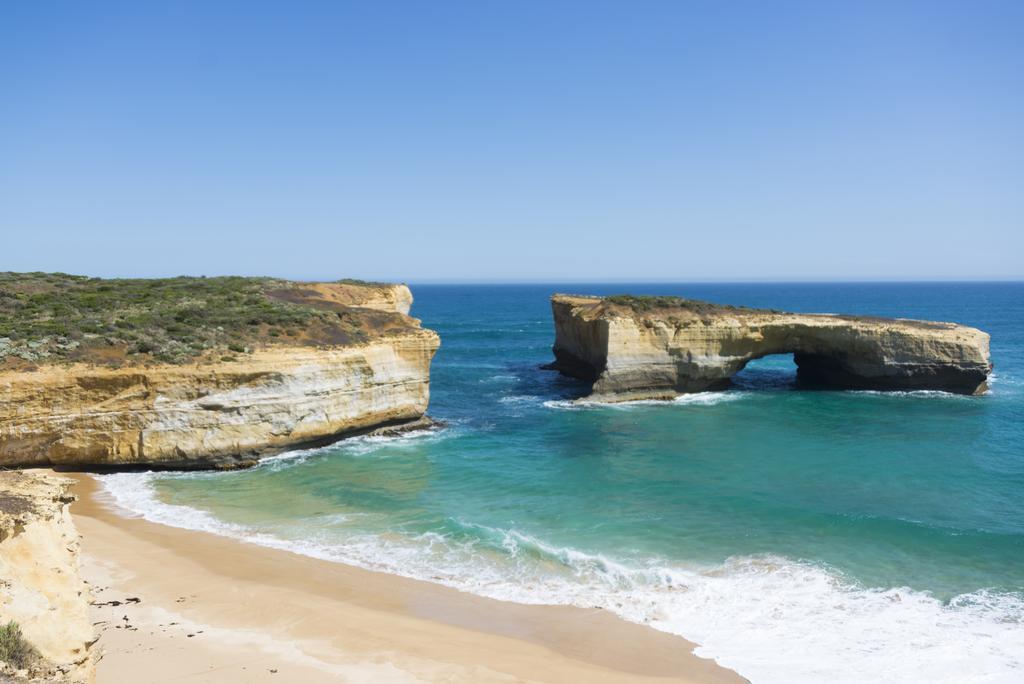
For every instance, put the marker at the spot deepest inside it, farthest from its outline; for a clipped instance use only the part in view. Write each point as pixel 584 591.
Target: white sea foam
pixel 519 399
pixel 914 394
pixel 709 398
pixel 288 458
pixel 499 378
pixel 695 399
pixel 368 444
pixel 358 445
pixel 772 619
pixel 1005 382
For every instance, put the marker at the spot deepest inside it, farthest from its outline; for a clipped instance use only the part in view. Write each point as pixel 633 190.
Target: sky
pixel 514 141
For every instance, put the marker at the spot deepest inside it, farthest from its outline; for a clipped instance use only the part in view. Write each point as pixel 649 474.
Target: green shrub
pixel 171 319
pixel 646 303
pixel 143 347
pixel 14 648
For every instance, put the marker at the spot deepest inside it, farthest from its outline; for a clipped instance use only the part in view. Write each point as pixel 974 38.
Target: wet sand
pixel 175 605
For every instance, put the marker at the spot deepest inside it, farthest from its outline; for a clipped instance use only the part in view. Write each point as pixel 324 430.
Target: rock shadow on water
pixel 538 382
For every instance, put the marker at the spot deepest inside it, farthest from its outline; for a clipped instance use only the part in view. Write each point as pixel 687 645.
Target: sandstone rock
pixel 224 411
pixel 40 586
pixel 639 348
pixel 209 414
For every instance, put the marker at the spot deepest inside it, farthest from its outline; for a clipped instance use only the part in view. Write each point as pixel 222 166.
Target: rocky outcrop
pixel 224 411
pixel 656 348
pixel 40 586
pixel 212 415
pixel 383 297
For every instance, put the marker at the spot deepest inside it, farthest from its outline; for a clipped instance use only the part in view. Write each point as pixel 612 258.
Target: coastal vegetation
pixel 57 316
pixel 648 303
pixel 15 650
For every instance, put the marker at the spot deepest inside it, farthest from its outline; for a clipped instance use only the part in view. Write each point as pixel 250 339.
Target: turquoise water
pixel 798 536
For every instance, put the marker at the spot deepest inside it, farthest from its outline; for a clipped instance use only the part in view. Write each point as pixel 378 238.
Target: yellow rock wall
pixel 208 413
pixel 629 355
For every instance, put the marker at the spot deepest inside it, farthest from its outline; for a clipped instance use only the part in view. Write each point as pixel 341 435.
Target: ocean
pixel 797 536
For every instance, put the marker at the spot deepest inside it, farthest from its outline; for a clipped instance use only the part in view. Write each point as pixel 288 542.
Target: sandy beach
pixel 173 605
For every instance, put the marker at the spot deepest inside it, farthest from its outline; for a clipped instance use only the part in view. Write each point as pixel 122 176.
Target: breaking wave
pixel 696 399
pixel 773 619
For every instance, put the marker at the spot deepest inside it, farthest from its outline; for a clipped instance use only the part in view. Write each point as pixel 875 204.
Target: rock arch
pixel 642 348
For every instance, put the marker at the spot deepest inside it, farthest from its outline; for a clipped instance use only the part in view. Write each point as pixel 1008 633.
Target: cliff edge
pixel 41 590
pixel 200 372
pixel 658 347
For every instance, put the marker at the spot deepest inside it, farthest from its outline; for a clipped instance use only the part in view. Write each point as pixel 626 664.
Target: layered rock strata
pixel 656 348
pixel 225 411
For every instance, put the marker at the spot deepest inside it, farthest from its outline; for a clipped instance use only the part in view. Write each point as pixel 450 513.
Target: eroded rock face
pixel 658 349
pixel 40 585
pixel 382 297
pixel 219 413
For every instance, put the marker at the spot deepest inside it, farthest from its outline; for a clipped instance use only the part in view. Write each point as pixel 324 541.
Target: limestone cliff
pixel 40 586
pixel 383 296
pixel 658 347
pixel 211 414
pixel 225 407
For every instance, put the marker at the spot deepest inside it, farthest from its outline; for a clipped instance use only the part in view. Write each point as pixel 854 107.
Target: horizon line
pixel 566 281
pixel 851 281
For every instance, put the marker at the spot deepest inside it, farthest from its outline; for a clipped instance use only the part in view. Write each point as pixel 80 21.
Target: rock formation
pixel 40 586
pixel 658 347
pixel 225 410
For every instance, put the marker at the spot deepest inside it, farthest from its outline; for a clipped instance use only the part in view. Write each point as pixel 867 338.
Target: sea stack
pixel 642 347
pixel 201 373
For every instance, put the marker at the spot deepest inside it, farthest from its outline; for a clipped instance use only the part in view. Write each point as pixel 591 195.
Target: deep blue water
pixel 799 536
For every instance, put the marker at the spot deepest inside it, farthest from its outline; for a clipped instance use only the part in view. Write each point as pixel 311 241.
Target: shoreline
pixel 211 608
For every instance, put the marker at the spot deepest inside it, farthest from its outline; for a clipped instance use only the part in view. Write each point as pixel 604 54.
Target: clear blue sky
pixel 454 141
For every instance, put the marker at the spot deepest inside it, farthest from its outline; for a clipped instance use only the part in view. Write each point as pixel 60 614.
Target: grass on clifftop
pixel 649 303
pixel 15 650
pixel 667 304
pixel 55 316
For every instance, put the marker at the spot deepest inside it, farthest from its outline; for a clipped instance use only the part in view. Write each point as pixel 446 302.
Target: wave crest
pixel 695 399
